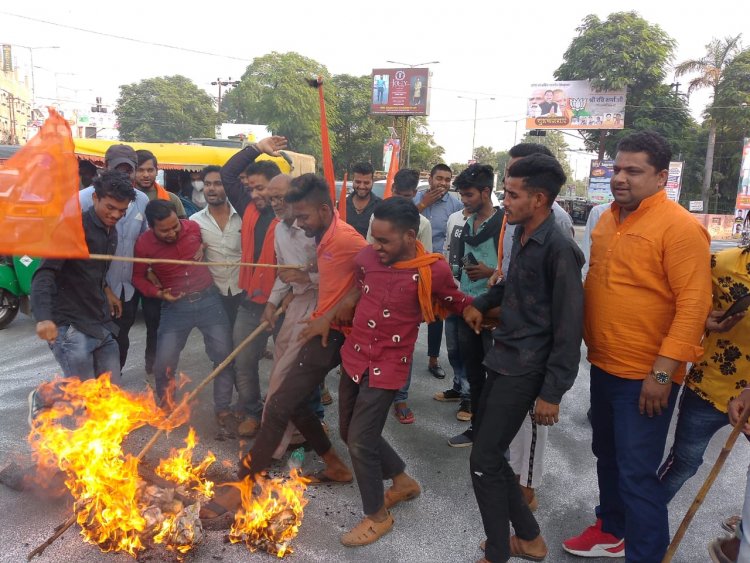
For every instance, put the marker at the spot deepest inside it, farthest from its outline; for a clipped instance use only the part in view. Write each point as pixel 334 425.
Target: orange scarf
pixel 431 308
pixel 161 193
pixel 258 282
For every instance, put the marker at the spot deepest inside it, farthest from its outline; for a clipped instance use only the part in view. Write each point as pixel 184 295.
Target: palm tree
pixel 710 67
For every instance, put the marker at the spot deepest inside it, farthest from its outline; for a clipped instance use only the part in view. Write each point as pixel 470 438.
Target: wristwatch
pixel 661 377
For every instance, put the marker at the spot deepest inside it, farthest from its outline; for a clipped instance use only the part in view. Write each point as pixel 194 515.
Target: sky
pixel 484 48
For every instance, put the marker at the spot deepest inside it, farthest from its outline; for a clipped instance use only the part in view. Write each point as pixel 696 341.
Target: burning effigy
pixel 122 506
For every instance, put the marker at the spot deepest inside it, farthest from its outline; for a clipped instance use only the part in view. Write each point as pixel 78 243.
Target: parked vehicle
pixel 15 286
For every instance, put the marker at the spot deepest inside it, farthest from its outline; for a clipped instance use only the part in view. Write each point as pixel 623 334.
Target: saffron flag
pixel 342 199
pixel 325 142
pixel 392 169
pixel 39 210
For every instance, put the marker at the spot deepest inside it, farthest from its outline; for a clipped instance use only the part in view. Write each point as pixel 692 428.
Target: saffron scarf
pixel 258 282
pixel 431 308
pixel 161 193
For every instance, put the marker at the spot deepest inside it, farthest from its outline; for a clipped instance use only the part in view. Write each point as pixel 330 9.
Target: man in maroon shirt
pixel 398 285
pixel 190 300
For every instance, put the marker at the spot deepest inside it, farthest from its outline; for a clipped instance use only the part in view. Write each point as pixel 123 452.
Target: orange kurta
pixel 648 290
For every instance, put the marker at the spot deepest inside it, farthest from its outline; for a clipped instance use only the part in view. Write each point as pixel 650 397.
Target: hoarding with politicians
pixel 573 104
pixel 743 187
pixel 400 91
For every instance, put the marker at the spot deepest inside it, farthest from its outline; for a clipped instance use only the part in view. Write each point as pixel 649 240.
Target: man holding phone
pixel 478 251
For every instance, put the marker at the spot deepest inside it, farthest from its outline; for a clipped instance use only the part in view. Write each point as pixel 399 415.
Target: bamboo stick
pixel 62 528
pixel 189 262
pixel 714 473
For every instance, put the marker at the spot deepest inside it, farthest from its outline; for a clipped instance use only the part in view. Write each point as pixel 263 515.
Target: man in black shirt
pixel 535 353
pixel 361 204
pixel 69 296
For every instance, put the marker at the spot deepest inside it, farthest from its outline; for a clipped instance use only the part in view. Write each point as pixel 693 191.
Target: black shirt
pixel 71 292
pixel 360 220
pixel 261 228
pixel 541 311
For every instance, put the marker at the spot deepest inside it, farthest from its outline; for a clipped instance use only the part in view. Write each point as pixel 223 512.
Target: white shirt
pixel 424 235
pixel 594 215
pixel 293 247
pixel 222 246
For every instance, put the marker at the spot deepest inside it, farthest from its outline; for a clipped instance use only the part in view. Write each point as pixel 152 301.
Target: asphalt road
pixel 442 525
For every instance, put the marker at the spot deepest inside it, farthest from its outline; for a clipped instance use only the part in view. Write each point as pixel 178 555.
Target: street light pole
pixel 515 131
pixel 474 135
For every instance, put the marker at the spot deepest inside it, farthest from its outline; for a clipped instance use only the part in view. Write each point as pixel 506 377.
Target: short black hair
pixel 86 165
pixel 114 184
pixel 480 176
pixel 158 210
pixel 527 149
pixel 441 166
pixel 144 156
pixel 364 168
pixel 400 212
pixel 654 145
pixel 540 173
pixel 311 188
pixel 406 179
pixel 266 168
pixel 208 169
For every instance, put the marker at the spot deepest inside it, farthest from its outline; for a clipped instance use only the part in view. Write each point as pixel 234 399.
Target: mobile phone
pixel 469 260
pixel 739 306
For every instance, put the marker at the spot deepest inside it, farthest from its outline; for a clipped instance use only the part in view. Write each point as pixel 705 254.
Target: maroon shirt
pixel 176 277
pixel 386 321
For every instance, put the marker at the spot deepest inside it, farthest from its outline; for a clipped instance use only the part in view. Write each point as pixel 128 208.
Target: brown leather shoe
pixel 367 531
pixel 532 550
pixel 394 496
pixel 530 497
pixel 248 427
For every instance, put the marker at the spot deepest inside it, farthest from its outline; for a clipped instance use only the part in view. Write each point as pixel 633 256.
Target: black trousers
pixel 291 402
pixel 363 411
pixel 473 347
pixel 124 323
pixel 231 303
pixel 151 316
pixel 503 406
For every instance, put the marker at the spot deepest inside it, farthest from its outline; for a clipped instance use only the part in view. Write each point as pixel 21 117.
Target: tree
pixel 274 91
pixel 486 155
pixel 359 135
pixel 622 51
pixel 555 142
pixel 424 153
pixel 710 67
pixel 165 108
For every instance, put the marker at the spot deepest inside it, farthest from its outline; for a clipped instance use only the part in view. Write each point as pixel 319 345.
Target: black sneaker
pixel 463 440
pixel 464 411
pixel 448 396
pixel 35 406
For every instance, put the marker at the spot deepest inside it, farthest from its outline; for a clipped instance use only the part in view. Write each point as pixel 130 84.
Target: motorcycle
pixel 15 286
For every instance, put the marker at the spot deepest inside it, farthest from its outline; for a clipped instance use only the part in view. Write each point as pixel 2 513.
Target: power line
pixel 123 38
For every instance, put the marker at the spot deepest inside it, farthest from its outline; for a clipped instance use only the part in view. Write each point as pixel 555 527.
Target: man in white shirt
pixel 220 229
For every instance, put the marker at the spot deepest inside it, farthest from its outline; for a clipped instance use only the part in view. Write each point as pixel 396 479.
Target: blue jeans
pixel 178 319
pixel 247 364
pixel 84 356
pixel 629 447
pixel 697 422
pixel 460 383
pixel 403 393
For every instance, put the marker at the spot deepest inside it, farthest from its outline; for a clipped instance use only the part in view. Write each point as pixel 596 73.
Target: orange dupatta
pixel 161 193
pixel 258 282
pixel 431 308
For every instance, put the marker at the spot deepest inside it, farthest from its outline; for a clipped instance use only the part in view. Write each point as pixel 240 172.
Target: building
pixel 15 102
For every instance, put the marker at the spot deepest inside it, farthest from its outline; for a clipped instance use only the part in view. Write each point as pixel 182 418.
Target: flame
pixel 81 435
pixel 271 513
pixel 178 467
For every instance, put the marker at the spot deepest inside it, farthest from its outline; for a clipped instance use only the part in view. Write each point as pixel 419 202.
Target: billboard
pixel 390 147
pixel 573 104
pixel 743 187
pixel 400 91
pixel 601 173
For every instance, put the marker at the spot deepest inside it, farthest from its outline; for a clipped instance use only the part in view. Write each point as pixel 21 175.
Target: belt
pixel 198 295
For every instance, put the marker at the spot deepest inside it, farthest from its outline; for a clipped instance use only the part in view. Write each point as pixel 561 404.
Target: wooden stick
pixel 189 262
pixel 714 473
pixel 62 528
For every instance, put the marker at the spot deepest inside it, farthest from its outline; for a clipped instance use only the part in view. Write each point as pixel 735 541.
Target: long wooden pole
pixel 188 262
pixel 62 528
pixel 714 473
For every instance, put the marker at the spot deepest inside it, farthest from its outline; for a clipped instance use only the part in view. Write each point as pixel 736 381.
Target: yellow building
pixel 15 102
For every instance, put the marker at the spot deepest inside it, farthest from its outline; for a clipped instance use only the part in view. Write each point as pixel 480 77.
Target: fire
pixel 271 513
pixel 178 467
pixel 82 436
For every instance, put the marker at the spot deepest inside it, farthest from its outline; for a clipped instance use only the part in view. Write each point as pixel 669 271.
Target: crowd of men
pixel 505 284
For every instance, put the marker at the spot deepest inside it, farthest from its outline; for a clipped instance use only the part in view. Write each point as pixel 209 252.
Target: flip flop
pixel 320 478
pixel 223 519
pixel 403 413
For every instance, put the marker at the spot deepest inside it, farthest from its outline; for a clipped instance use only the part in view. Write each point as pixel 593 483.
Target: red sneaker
pixel 593 542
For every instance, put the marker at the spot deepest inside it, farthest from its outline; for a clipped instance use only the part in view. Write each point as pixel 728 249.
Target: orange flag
pixel 392 169
pixel 39 210
pixel 342 199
